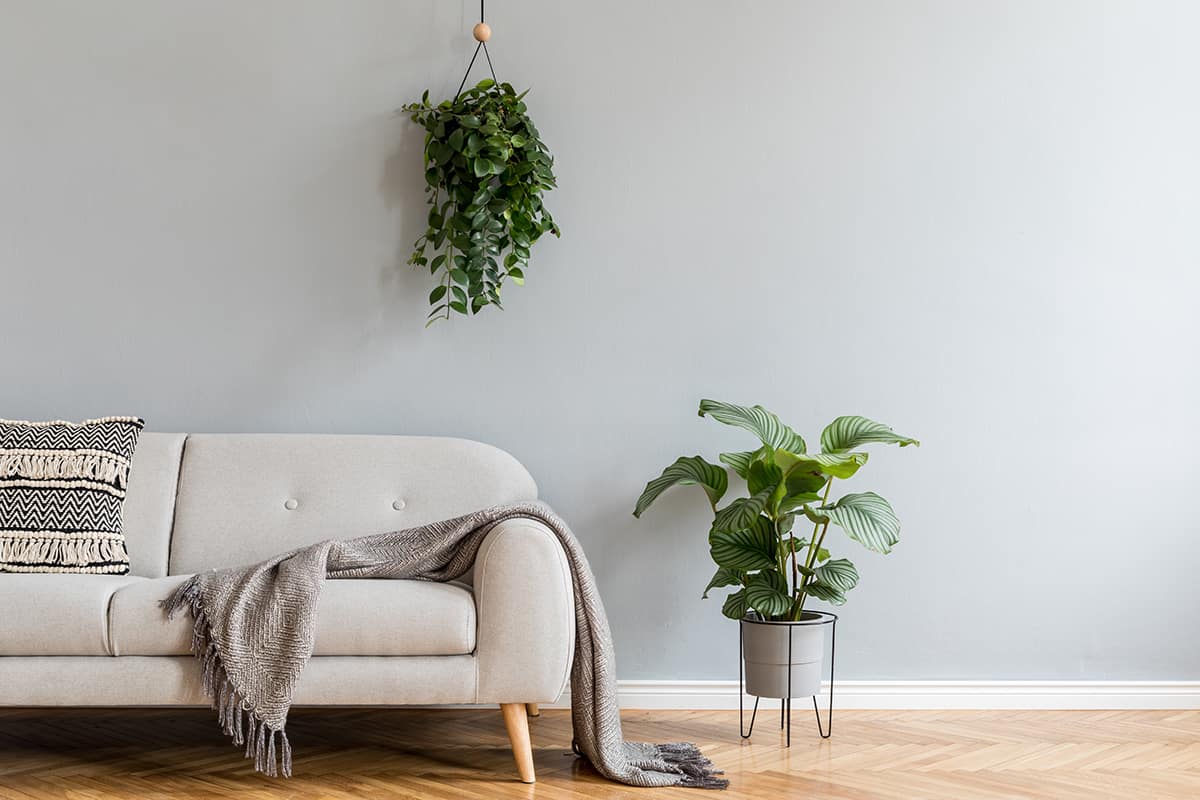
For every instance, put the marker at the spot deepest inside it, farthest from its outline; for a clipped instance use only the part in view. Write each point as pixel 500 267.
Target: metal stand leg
pixel 742 695
pixel 825 734
pixel 787 701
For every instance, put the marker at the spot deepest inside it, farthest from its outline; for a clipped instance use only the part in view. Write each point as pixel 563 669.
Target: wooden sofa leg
pixel 533 709
pixel 518 733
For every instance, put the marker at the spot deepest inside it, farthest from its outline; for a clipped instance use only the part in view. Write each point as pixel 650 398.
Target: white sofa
pixel 504 634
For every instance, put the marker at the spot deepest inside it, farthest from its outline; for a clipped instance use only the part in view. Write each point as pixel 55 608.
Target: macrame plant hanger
pixel 482 32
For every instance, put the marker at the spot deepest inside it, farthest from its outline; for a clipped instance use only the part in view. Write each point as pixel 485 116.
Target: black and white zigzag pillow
pixel 62 486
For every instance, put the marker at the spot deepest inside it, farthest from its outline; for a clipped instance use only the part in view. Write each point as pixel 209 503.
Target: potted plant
pixel 756 549
pixel 486 170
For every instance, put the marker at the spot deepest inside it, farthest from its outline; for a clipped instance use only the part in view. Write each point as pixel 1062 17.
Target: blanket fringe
pixel 237 719
pixel 698 772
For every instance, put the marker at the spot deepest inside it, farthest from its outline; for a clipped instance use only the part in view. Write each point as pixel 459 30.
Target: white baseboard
pixel 929 695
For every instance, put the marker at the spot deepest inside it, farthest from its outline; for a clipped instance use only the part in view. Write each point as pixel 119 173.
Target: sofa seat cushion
pixel 354 618
pixel 57 614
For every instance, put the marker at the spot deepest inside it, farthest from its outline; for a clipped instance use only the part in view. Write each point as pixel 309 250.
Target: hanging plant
pixel 486 169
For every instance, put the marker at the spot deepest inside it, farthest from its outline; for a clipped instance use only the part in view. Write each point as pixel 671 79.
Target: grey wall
pixel 974 221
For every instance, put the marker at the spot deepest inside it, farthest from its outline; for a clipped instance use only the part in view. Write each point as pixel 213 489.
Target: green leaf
pixel 839 573
pixel 741 513
pixel 723 577
pixel 756 419
pixel 456 139
pixel 767 593
pixel 867 519
pixel 437 294
pixel 801 545
pixel 482 167
pixel 793 501
pixel 469 121
pixel 839 465
pixel 817 516
pixel 740 462
pixel 735 605
pixel 821 591
pixel 805 480
pixel 749 549
pixel 847 433
pixel 763 477
pixel 459 276
pixel 486 83
pixel 685 471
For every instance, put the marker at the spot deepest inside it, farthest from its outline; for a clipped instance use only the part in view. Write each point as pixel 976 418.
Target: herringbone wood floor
pixel 905 755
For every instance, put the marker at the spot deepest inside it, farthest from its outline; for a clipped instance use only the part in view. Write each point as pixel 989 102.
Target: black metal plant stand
pixel 785 704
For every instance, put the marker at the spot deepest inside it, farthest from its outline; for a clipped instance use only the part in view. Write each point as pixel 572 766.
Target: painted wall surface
pixel 973 221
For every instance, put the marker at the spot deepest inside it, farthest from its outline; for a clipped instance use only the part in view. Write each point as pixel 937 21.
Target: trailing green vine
pixel 486 169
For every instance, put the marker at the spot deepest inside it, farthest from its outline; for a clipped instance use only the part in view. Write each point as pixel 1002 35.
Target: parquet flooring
pixel 89 754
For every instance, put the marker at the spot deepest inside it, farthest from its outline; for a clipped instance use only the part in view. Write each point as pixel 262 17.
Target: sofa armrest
pixel 525 605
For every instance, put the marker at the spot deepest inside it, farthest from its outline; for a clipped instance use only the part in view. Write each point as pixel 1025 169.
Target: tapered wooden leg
pixel 518 733
pixel 533 709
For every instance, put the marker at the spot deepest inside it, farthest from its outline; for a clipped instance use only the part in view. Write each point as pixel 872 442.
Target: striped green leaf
pixel 801 545
pixel 816 515
pixel 723 577
pixel 767 593
pixel 822 591
pixel 847 433
pixel 686 471
pixel 838 573
pixel 867 519
pixel 793 501
pixel 756 419
pixel 839 465
pixel 741 513
pixel 735 606
pixel 740 462
pixel 745 550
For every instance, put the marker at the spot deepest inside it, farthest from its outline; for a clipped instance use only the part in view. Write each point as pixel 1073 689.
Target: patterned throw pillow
pixel 62 485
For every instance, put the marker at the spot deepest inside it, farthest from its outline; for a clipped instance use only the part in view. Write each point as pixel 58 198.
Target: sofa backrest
pixel 241 498
pixel 150 502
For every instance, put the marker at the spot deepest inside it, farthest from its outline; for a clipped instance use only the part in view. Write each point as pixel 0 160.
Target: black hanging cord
pixel 486 55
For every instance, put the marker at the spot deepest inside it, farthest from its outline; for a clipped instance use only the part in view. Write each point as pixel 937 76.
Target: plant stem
pixel 779 548
pixel 814 547
pixel 795 571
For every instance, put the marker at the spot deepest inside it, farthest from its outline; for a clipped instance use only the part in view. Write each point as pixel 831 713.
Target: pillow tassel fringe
pixel 99 467
pixel 74 553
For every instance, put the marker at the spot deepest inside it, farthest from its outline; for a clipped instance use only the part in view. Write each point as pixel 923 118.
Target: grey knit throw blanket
pixel 253 633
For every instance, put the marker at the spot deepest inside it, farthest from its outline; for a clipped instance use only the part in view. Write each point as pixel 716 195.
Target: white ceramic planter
pixel 767 662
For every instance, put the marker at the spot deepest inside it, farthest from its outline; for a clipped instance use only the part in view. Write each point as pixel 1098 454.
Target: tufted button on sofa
pixel 503 634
